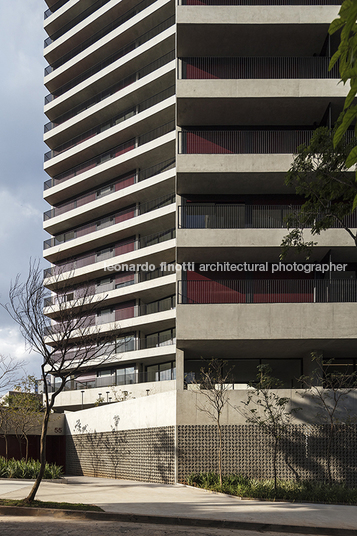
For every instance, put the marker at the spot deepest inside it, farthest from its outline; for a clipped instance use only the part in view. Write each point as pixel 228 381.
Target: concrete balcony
pixel 90 28
pixel 275 30
pixel 145 156
pixel 64 14
pixel 259 245
pixel 267 330
pixel 109 104
pixel 116 195
pixel 149 223
pixel 131 127
pixel 258 101
pixel 233 173
pixel 153 250
pixel 147 290
pixel 128 64
pixel 90 52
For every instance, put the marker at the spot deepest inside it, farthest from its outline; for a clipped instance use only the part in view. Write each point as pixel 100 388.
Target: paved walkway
pixel 131 497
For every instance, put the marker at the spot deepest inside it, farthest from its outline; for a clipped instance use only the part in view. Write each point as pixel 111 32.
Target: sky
pixel 21 156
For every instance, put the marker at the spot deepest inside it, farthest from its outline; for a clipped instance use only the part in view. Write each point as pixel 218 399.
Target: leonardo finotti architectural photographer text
pixel 307 268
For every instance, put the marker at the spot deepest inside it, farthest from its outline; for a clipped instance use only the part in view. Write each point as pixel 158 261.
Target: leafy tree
pixel 213 387
pixel 69 342
pixel 268 410
pixel 330 390
pixel 25 409
pixel 319 174
pixel 347 56
pixel 5 425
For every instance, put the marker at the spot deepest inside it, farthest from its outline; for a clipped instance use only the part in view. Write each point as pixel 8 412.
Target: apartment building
pixel 171 128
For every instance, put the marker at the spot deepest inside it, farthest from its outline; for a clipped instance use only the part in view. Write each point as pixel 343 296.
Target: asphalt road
pixel 50 526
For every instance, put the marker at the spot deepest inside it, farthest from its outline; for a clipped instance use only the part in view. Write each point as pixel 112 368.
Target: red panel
pixel 125 216
pixel 86 199
pixel 124 310
pixel 124 248
pixel 123 183
pixel 197 144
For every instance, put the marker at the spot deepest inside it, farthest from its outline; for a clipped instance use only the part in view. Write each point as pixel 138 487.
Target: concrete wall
pixel 279 321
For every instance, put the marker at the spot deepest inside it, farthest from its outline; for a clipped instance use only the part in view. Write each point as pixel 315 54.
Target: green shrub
pixel 288 490
pixel 28 470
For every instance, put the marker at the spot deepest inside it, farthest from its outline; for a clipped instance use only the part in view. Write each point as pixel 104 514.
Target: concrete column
pixel 180 363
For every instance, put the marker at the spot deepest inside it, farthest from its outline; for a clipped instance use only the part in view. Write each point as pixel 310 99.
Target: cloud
pixel 12 344
pixel 21 154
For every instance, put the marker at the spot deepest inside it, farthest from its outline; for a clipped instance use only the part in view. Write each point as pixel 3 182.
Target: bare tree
pixel 10 372
pixel 213 386
pixel 69 342
pixel 330 390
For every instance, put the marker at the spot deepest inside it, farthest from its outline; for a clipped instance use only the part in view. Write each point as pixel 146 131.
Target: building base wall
pixel 147 455
pixel 248 451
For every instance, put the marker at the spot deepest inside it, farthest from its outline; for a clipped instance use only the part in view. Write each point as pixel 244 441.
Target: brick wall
pixel 145 454
pixel 246 450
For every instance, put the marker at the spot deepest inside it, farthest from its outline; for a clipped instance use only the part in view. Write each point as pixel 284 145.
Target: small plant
pixel 27 470
pixel 288 490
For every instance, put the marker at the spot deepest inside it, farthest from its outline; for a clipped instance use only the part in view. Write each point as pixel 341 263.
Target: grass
pixel 289 490
pixel 28 470
pixel 55 505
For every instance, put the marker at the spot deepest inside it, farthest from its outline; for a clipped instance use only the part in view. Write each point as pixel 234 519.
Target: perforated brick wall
pixel 146 454
pixel 246 450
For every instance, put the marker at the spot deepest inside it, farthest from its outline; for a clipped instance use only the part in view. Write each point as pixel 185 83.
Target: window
pixel 105 190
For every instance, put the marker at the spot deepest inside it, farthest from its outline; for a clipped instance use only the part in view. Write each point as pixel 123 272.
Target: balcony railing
pixel 151 67
pixel 267 291
pixel 113 250
pixel 101 33
pixel 113 284
pixel 193 216
pixel 257 67
pixel 260 2
pixel 123 116
pixel 242 141
pixel 111 58
pixel 54 8
pixel 119 380
pixel 114 152
pixel 139 176
pixel 110 220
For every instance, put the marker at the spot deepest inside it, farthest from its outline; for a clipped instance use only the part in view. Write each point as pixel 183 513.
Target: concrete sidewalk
pixel 140 498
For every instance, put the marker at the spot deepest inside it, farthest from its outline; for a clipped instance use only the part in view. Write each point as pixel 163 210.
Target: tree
pixel 69 343
pixel 25 410
pixel 213 386
pixel 5 425
pixel 319 174
pixel 330 394
pixel 10 372
pixel 347 56
pixel 270 411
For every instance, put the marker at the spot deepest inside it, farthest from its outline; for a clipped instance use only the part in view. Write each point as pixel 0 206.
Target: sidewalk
pixel 140 498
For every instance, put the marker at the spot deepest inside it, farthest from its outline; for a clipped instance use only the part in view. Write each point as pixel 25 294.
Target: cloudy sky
pixel 21 155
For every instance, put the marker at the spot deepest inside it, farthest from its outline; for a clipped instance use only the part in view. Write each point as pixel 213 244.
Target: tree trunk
pixel 220 453
pixel 27 449
pixel 328 454
pixel 274 466
pixel 6 448
pixel 37 483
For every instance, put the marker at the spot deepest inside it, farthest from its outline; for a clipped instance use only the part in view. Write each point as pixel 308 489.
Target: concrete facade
pixel 171 129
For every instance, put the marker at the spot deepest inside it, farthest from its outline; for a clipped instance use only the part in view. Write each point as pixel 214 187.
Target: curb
pixel 177 521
